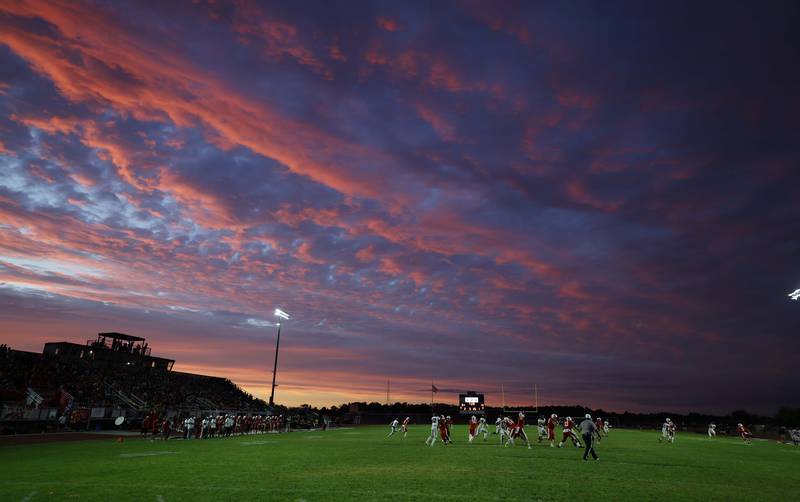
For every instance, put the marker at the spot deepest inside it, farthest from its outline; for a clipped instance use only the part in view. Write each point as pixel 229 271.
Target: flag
pixel 434 389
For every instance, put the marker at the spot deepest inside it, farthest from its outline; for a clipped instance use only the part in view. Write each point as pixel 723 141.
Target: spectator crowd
pixel 93 385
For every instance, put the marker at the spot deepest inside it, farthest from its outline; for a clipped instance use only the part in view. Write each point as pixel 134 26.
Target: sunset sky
pixel 598 198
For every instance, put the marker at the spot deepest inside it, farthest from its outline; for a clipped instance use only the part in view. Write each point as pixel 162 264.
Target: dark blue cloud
pixel 554 193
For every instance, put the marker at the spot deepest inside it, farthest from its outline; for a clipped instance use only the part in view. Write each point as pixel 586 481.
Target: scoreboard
pixel 471 404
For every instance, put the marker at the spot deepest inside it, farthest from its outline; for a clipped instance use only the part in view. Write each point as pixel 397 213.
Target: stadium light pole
pixel 280 314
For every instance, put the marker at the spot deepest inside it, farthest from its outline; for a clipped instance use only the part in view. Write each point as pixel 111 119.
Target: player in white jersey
pixel 482 428
pixel 542 430
pixel 498 425
pixel 434 430
pixel 712 430
pixel 667 431
pixel 405 426
pixel 606 427
pixel 395 423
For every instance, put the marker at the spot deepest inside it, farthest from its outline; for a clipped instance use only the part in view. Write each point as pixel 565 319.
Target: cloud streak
pixel 475 195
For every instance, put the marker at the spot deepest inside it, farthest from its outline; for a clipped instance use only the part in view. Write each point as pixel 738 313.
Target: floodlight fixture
pixel 281 315
pixel 795 295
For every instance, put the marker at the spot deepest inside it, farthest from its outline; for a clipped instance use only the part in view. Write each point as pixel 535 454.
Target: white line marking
pixel 29 496
pixel 347 493
pixel 159 498
pixel 251 443
pixel 147 454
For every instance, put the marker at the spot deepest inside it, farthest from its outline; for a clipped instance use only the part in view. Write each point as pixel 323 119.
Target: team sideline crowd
pixel 225 425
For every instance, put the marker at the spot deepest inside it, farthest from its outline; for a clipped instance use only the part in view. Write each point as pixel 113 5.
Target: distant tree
pixel 788 417
pixel 741 416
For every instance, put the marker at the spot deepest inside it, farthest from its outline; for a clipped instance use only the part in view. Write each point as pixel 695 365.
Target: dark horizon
pixel 600 200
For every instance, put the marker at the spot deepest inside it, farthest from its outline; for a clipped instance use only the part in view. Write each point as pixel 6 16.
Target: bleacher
pixel 114 375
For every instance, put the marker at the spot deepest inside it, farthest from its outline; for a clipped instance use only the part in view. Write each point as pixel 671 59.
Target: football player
pixel 405 426
pixel 667 431
pixel 393 425
pixel 473 427
pixel 569 433
pixel 507 432
pixel 519 429
pixel 434 430
pixel 482 428
pixel 744 433
pixel 551 429
pixel 542 431
pixel 443 430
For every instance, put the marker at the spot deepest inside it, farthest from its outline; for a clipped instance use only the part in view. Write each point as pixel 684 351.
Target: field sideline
pixel 362 464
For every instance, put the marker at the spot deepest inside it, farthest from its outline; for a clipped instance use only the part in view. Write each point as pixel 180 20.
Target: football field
pixel 362 464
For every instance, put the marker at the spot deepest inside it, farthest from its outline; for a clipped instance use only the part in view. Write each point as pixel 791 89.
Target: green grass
pixel 362 464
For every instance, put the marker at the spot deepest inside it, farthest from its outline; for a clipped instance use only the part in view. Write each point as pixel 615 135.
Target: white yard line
pixel 159 498
pixel 146 454
pixel 29 496
pixel 346 493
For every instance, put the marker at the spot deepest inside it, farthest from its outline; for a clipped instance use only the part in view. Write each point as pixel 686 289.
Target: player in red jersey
pixel 166 429
pixel 145 425
pixel 507 431
pixel 449 422
pixel 405 426
pixel 519 429
pixel 551 429
pixel 569 433
pixel 154 425
pixel 473 426
pixel 443 429
pixel 744 433
pixel 598 422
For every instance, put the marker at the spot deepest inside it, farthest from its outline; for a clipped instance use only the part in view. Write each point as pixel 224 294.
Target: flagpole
pixel 536 394
pixel 503 390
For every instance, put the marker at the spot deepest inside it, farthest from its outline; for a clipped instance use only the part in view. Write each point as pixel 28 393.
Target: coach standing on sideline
pixel 588 430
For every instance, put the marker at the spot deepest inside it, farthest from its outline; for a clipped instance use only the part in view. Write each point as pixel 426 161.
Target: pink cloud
pixel 388 24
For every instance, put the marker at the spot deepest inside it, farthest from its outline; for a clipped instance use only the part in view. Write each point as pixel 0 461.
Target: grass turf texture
pixel 363 464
